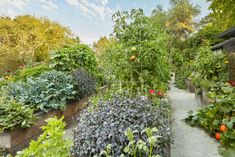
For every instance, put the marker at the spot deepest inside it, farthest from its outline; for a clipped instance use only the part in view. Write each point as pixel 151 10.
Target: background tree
pixel 223 13
pixel 181 18
pixel 27 39
pixel 100 45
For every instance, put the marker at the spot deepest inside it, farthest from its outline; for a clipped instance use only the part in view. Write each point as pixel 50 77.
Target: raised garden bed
pixel 189 85
pixel 205 100
pixel 18 138
pixel 198 95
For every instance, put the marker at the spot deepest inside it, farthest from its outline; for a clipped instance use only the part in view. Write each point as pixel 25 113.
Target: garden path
pixel 189 141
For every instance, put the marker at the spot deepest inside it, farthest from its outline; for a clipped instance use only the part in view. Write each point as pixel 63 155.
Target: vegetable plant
pixel 73 57
pixel 14 114
pixel 85 83
pixel 107 123
pixel 138 59
pixel 51 90
pixel 50 143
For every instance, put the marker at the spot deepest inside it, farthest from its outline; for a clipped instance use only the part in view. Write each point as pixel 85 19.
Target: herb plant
pixel 85 82
pixel 107 124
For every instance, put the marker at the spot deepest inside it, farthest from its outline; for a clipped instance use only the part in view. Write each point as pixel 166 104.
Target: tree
pixel 180 23
pixel 100 45
pixel 26 39
pixel 223 13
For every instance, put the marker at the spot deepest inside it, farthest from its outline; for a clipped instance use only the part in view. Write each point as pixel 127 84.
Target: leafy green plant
pixel 220 113
pixel 51 90
pixel 107 123
pixel 23 74
pixel 50 143
pixel 209 67
pixel 13 114
pixel 71 58
pixel 142 147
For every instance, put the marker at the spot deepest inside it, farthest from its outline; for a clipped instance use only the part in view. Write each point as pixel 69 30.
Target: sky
pixel 88 19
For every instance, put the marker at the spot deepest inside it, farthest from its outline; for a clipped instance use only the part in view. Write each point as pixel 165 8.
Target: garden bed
pixel 189 85
pixel 18 138
pixel 205 100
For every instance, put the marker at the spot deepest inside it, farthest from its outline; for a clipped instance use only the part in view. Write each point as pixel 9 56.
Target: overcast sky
pixel 88 19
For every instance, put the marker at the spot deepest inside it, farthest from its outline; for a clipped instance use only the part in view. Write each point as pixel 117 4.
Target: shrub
pixel 50 143
pixel 70 58
pixel 85 82
pixel 27 72
pixel 106 125
pixel 13 114
pixel 51 90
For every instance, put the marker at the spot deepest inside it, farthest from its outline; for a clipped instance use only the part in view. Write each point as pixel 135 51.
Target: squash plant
pixel 221 112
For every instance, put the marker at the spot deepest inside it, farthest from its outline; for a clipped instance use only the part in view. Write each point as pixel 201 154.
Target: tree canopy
pixel 26 39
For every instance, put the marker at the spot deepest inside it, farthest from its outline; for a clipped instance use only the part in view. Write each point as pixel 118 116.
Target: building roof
pixel 228 45
pixel 228 33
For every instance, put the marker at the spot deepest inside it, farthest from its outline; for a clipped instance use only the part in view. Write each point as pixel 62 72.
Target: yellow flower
pixel 226 62
pixel 227 83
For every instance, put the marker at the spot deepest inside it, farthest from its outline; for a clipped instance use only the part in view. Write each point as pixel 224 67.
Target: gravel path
pixel 189 141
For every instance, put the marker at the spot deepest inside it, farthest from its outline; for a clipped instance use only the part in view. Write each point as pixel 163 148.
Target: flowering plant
pixel 158 93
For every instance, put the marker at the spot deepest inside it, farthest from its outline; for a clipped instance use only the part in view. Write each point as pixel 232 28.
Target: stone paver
pixel 189 141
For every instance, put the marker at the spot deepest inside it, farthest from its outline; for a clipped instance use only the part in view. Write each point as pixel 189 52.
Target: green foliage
pixel 50 143
pixel 138 59
pixel 13 114
pixel 142 147
pixel 223 13
pixel 23 74
pixel 71 58
pixel 180 19
pixel 209 67
pixel 108 121
pixel 51 90
pixel 25 39
pixel 220 112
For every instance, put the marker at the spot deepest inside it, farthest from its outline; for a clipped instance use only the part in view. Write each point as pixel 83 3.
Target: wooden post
pixel 231 65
